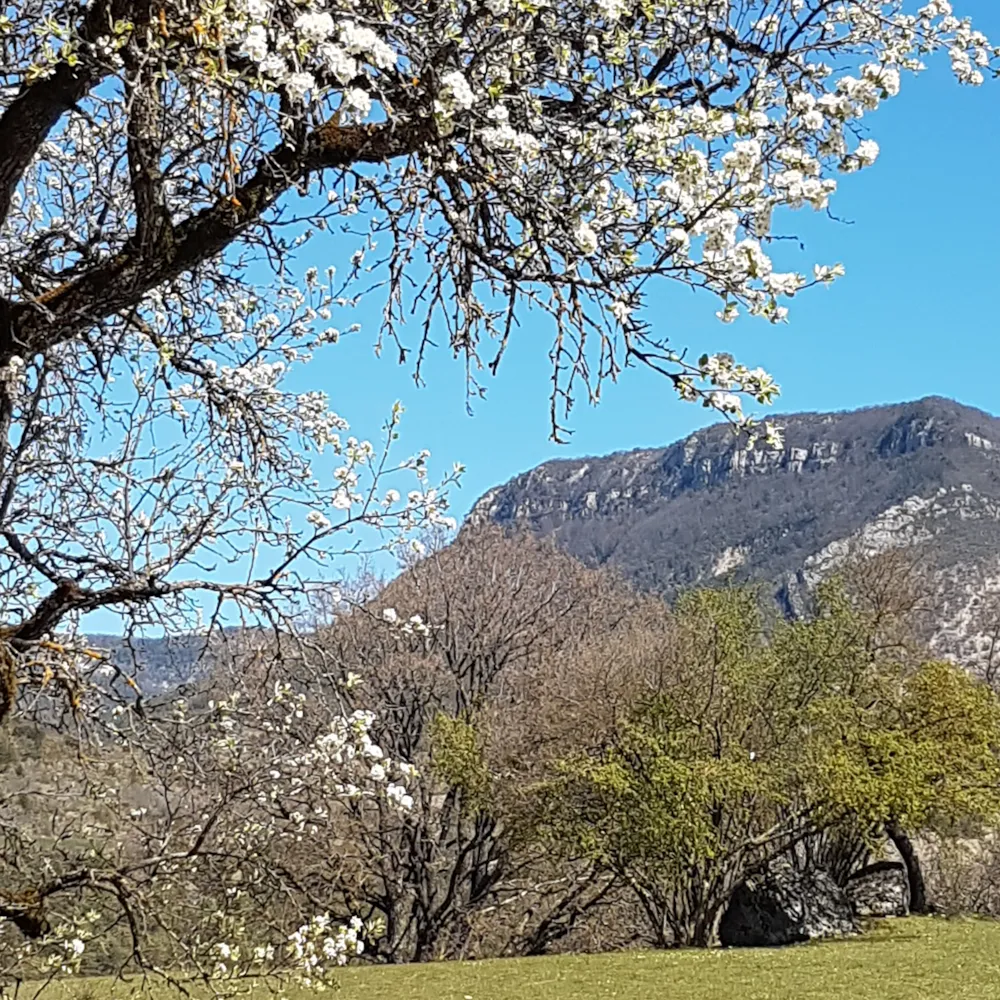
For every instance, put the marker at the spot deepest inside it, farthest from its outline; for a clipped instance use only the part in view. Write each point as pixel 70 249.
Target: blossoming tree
pixel 165 164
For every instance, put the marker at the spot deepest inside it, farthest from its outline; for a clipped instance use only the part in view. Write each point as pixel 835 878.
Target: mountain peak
pixel 708 508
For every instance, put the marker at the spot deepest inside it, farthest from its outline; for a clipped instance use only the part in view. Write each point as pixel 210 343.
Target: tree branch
pixel 34 112
pixel 153 230
pixel 120 281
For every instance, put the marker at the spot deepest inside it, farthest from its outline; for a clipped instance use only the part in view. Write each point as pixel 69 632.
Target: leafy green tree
pixel 754 739
pixel 922 757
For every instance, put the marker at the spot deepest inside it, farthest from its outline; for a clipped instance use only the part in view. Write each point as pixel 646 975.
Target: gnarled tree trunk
pixel 914 873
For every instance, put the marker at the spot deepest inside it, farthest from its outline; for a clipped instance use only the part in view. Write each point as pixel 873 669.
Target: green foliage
pixel 458 758
pixel 650 799
pixel 757 737
pixel 925 754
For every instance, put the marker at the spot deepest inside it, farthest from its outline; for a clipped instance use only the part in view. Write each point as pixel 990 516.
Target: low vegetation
pixel 744 740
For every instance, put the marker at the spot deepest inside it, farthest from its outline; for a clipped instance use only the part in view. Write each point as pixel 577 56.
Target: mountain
pixel 166 663
pixel 158 664
pixel 923 474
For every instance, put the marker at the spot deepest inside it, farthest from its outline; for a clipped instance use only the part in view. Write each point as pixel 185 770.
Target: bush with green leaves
pixel 747 738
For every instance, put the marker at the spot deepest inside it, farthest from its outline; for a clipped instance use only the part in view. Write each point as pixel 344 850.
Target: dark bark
pixel 120 281
pixel 30 920
pixel 914 872
pixel 704 932
pixel 563 918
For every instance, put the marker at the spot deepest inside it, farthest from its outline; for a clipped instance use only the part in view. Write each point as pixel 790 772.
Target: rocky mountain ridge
pixel 923 474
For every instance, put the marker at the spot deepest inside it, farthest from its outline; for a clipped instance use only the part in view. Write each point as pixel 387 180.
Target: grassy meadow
pixel 912 959
pixel 915 959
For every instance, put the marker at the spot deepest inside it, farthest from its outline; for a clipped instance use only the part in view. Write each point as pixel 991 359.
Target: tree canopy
pixel 166 162
pixel 166 167
pixel 752 741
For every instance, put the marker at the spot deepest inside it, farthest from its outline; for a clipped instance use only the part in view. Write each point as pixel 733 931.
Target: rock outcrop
pixel 786 905
pixel 880 890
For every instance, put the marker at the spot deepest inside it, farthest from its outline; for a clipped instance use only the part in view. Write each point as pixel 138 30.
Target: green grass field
pixel 914 959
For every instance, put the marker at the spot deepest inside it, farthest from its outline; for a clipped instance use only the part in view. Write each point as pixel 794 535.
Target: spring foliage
pixel 755 740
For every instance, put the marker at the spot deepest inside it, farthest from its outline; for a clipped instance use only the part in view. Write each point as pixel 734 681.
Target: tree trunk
pixel 701 930
pixel 708 930
pixel 914 873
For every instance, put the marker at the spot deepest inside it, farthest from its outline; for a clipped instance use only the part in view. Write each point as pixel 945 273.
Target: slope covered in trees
pixel 924 476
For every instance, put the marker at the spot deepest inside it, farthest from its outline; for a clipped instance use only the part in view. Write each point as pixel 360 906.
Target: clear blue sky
pixel 918 312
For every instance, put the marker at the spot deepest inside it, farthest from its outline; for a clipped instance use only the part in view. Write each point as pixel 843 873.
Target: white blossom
pixel 299 85
pixel 455 94
pixel 586 238
pixel 314 26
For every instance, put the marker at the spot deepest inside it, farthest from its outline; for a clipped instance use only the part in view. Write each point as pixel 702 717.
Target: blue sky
pixel 917 313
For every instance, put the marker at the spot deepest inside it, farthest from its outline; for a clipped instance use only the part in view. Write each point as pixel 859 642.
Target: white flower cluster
pixel 343 761
pixel 722 384
pixel 591 161
pixel 240 371
pixel 61 950
pixel 320 947
pixel 414 625
pixel 503 137
pixel 693 187
pixel 300 764
pixel 454 96
pixel 316 48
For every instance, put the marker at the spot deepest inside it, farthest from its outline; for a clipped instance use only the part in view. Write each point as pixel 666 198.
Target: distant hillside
pixel 706 509
pixel 158 664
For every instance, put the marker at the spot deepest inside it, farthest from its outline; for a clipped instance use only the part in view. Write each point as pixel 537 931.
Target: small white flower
pixel 318 520
pixel 621 310
pixel 357 100
pixel 455 94
pixel 299 85
pixel 255 43
pixel 586 237
pixel 867 151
